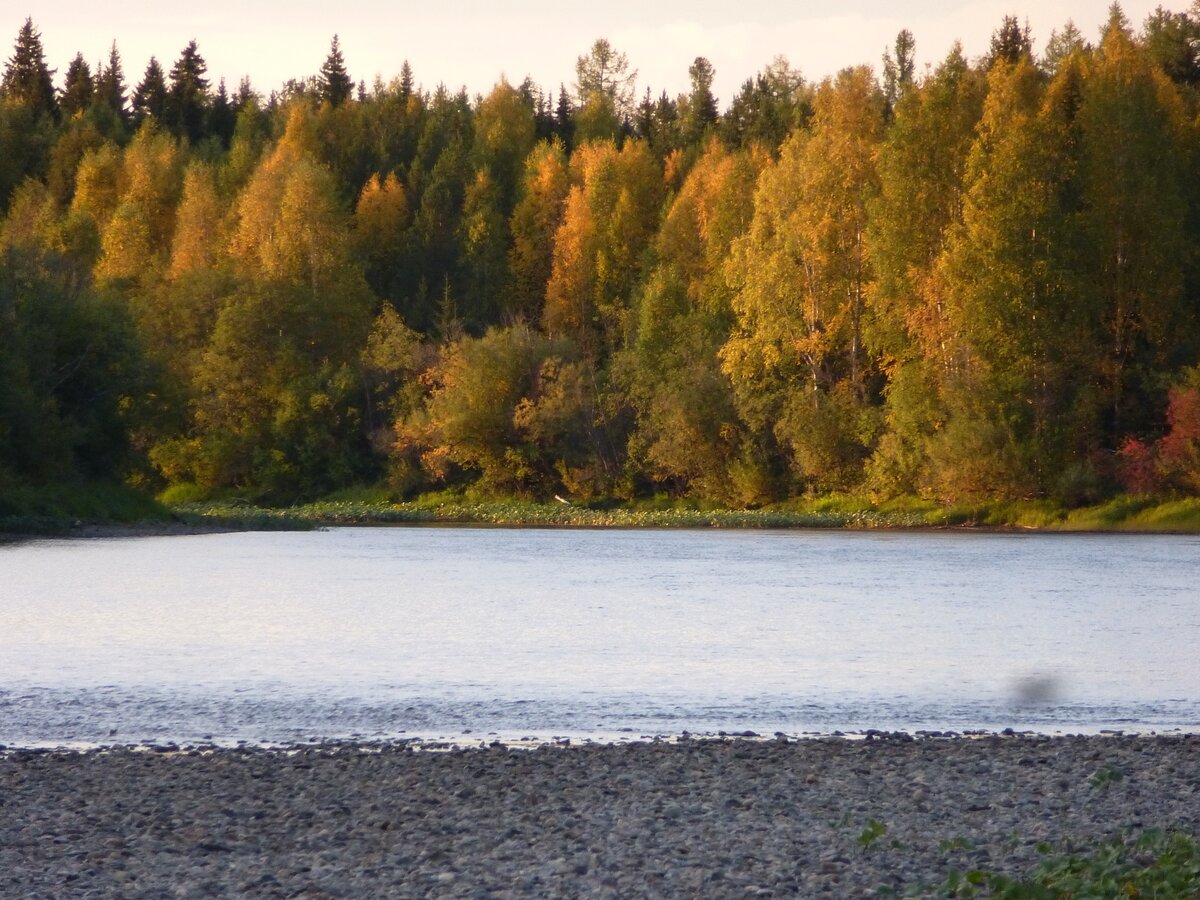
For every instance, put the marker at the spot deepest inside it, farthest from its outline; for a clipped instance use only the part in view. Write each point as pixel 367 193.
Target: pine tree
pixel 77 86
pixel 26 78
pixel 334 83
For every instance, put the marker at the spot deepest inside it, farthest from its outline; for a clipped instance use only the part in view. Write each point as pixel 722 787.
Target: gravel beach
pixel 694 818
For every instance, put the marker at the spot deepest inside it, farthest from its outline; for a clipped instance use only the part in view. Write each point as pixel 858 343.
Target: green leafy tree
pixel 1172 41
pixel 1135 182
pixel 688 433
pixel 1014 424
pixel 72 378
pixel 509 408
pixel 921 167
pixel 26 139
pixel 1063 44
pixel 801 276
pixel 898 70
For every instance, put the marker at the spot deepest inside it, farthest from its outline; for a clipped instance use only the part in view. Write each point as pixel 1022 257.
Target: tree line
pixel 979 281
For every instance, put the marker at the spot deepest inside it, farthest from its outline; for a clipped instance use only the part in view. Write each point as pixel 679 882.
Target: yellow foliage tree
pixel 136 241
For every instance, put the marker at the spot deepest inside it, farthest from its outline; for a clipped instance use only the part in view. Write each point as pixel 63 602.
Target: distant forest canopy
pixel 980 281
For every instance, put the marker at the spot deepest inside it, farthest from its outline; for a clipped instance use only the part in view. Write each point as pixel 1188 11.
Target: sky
pixel 473 43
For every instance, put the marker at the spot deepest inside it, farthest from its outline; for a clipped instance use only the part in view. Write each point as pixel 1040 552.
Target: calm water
pixel 439 631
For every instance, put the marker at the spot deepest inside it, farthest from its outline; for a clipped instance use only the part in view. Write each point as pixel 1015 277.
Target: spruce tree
pixel 187 98
pixel 334 82
pixel 1011 43
pixel 406 80
pixel 221 116
pixel 26 78
pixel 564 118
pixel 701 107
pixel 78 86
pixel 150 96
pixel 110 83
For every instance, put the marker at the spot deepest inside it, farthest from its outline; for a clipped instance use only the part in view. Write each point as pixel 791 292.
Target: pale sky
pixel 473 42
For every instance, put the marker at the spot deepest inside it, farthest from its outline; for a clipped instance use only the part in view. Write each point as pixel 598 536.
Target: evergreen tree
pixel 1011 43
pixel 187 97
pixel 334 84
pixel 77 87
pixel 698 110
pixel 768 107
pixel 222 119
pixel 26 78
pixel 150 96
pixel 564 118
pixel 110 83
pixel 406 80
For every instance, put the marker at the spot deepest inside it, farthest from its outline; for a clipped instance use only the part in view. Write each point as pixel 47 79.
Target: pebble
pixel 733 817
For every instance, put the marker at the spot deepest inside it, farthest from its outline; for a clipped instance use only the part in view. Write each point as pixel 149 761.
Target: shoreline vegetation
pixel 100 510
pixel 975 283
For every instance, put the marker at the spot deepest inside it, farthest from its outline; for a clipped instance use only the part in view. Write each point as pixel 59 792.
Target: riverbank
pixel 1123 514
pixel 102 510
pixel 827 817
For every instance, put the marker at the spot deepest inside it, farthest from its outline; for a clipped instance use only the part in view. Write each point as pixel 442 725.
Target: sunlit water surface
pixel 467 632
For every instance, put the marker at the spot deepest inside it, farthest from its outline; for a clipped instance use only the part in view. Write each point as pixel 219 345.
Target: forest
pixel 981 280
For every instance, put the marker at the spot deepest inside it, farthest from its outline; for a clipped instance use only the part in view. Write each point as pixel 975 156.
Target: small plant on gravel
pixel 956 845
pixel 1105 777
pixel 872 833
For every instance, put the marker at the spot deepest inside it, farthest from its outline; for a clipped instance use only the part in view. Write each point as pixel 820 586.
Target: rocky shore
pixel 694 818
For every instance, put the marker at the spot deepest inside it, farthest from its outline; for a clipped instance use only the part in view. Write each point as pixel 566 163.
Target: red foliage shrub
pixel 1179 449
pixel 1137 467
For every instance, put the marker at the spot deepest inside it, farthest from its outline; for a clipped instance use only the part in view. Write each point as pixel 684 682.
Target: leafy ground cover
pixel 367 507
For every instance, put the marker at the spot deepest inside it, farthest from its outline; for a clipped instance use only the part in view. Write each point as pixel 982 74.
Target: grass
pixel 57 508
pixel 1153 864
pixel 373 506
pixel 60 507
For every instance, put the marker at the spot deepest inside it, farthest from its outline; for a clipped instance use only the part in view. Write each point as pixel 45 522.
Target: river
pixel 472 633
